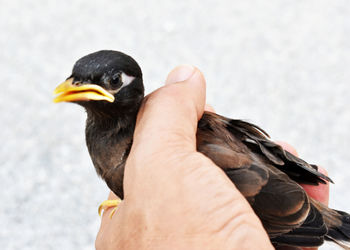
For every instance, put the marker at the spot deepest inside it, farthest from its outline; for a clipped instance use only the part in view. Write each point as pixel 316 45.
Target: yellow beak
pixel 67 92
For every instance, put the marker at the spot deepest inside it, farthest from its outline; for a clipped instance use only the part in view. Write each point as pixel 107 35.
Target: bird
pixel 108 84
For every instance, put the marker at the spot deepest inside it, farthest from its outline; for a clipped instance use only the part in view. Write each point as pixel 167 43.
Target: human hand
pixel 175 197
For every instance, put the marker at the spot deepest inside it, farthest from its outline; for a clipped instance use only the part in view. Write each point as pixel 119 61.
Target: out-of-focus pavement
pixel 283 65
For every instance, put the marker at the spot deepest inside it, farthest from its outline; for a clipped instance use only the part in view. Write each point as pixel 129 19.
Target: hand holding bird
pixel 171 189
pixel 230 159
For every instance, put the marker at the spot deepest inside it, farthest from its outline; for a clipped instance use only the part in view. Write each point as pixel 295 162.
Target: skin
pixel 175 197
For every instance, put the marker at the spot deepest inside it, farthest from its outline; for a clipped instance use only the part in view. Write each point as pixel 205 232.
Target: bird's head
pixel 105 82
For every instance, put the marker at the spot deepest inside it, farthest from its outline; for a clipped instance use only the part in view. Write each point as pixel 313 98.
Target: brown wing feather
pixel 280 203
pixel 259 143
pixel 267 176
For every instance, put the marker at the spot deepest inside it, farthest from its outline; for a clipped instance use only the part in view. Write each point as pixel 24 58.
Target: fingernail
pixel 180 73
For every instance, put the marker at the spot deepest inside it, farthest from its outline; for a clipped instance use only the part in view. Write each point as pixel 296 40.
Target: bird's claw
pixel 107 204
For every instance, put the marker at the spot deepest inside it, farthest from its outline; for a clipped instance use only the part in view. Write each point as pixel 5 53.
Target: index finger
pixel 319 192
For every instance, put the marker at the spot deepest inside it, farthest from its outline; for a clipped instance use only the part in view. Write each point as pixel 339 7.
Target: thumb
pixel 186 74
pixel 172 112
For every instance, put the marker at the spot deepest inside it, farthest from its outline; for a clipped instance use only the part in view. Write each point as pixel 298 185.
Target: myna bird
pixel 109 85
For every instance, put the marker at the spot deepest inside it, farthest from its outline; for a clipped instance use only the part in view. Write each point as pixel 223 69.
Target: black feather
pixel 340 234
pixel 310 233
pixel 295 167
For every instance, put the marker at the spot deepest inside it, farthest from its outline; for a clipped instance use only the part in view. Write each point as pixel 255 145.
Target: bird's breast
pixel 108 149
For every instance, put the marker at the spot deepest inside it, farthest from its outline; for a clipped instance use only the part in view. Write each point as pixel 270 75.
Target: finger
pixel 286 146
pixel 320 192
pixel 172 112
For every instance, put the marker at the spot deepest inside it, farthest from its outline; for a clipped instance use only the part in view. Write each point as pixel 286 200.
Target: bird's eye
pixel 116 81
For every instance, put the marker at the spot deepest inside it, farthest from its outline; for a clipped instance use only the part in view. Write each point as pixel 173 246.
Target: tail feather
pixel 340 234
pixel 338 224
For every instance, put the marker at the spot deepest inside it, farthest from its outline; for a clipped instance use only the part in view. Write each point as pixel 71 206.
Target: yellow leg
pixel 107 204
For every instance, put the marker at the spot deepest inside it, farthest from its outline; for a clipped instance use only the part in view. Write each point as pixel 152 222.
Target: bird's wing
pixel 283 207
pixel 257 140
pixel 281 204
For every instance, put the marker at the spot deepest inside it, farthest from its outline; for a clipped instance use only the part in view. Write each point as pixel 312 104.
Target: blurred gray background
pixel 283 65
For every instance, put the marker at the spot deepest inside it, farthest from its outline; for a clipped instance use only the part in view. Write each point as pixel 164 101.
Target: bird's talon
pixel 113 212
pixel 107 204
